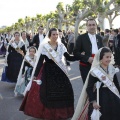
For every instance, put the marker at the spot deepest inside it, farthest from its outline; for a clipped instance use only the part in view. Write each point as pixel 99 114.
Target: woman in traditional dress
pixel 25 71
pixel 51 95
pixel 3 45
pixel 14 57
pixel 102 70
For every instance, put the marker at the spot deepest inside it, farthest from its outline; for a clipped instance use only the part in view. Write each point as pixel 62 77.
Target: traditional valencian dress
pixel 109 95
pixel 3 45
pixel 51 95
pixel 26 70
pixel 14 60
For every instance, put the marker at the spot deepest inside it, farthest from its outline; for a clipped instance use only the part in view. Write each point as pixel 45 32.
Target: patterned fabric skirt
pixel 19 88
pixel 84 114
pixel 53 99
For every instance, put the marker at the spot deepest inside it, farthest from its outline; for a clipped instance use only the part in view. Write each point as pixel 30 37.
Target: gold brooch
pixel 17 48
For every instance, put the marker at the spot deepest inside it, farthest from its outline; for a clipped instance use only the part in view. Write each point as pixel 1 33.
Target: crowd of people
pixel 111 38
pixel 38 66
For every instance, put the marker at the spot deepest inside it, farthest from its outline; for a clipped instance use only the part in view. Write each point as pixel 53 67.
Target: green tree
pixel 21 23
pixel 81 10
pixel 27 23
pixel 105 11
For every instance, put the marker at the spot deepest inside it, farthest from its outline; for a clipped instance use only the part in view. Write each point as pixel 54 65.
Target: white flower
pixel 39 82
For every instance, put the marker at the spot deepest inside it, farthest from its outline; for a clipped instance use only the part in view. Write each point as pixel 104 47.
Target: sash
pixel 55 57
pixel 29 60
pixel 109 83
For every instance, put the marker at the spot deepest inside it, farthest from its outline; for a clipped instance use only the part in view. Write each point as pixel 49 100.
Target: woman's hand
pixel 21 52
pixel 83 53
pixel 95 105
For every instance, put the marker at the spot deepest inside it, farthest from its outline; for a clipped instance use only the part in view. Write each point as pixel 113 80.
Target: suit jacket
pixel 83 44
pixel 36 40
pixel 64 41
pixel 116 45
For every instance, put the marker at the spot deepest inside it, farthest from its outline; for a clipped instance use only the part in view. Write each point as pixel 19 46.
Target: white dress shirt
pixel 41 37
pixel 94 43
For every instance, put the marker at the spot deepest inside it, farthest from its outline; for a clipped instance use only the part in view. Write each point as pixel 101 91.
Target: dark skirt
pixel 110 105
pixel 4 77
pixel 53 99
pixel 14 63
pixel 3 50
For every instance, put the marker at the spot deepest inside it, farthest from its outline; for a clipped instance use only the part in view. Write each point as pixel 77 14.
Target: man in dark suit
pixel 86 46
pixel 38 38
pixel 116 46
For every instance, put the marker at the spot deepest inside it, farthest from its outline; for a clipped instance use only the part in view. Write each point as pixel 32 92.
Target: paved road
pixel 9 106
